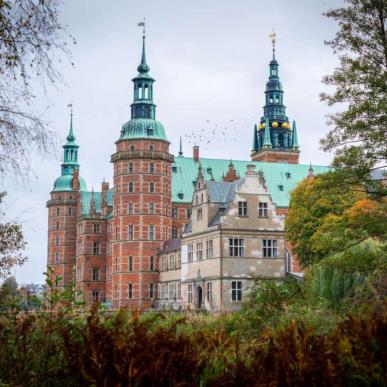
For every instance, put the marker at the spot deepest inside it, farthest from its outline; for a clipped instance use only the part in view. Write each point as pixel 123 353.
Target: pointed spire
pixel 255 139
pixel 200 171
pixel 266 139
pixel 71 137
pixel 295 137
pixel 181 148
pixel 143 67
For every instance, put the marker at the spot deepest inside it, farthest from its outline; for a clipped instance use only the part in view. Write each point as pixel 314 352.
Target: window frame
pixel 236 291
pixel 236 247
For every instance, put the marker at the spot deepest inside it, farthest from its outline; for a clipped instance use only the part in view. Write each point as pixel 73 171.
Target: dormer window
pixel 180 195
pixel 150 131
pixel 281 187
pixel 288 175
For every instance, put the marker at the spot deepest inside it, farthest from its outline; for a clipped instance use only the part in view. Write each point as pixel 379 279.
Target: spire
pixel 255 139
pixel 266 139
pixel 70 150
pixel 71 137
pixel 181 148
pixel 143 68
pixel 295 137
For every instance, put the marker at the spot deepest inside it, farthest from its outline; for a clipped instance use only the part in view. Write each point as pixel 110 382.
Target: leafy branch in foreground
pixel 359 136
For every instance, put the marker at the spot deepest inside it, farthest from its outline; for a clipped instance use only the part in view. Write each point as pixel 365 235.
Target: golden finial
pixel 273 37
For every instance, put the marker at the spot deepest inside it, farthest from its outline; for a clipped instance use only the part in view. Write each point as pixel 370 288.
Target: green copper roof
pixel 294 136
pixel 281 178
pixel 139 128
pixel 86 201
pixel 65 183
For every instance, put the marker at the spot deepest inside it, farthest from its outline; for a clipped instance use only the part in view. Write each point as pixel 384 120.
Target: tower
pixel 142 198
pixel 274 140
pixel 62 215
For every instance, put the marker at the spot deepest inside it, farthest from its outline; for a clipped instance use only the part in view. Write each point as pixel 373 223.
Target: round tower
pixel 141 200
pixel 62 215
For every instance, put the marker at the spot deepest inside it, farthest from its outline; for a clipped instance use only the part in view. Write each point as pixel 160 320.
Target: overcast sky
pixel 210 61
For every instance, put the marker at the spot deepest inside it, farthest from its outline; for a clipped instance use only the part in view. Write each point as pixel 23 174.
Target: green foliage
pixel 360 81
pixel 338 276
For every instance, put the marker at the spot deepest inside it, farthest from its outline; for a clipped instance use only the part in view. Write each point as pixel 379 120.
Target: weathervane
pixel 142 24
pixel 70 105
pixel 273 37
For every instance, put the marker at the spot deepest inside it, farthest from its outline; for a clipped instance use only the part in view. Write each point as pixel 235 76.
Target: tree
pixel 359 136
pixel 32 42
pixel 11 244
pixel 326 218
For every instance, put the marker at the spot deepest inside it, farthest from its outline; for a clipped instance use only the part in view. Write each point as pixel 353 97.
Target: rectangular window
pixel 236 291
pixel 199 251
pixel 188 213
pixel 151 168
pixel 152 263
pixel 130 209
pixel 190 293
pixel 174 233
pixel 96 247
pixel 242 208
pixel 151 291
pixel 199 214
pixel 171 291
pixel 70 211
pixel 262 210
pixel 131 187
pixel 209 292
pixel 116 232
pixel 164 291
pixel 130 291
pixel 174 213
pixel 96 228
pixel 57 258
pixel 178 261
pixel 236 247
pixel 130 264
pixel 95 274
pixel 130 168
pixel 151 187
pixel 269 248
pixel 151 208
pixel 58 211
pixel 164 262
pixel 95 296
pixel 171 264
pixel 190 252
pixel 210 249
pixel 130 232
pixel 151 232
pixel 57 225
pixel 57 241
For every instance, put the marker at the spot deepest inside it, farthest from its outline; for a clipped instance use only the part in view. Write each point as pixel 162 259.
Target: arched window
pixel 139 91
pixel 151 148
pixel 281 141
pixel 132 148
pixel 146 92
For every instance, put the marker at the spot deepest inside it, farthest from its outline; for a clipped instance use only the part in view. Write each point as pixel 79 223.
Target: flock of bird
pixel 213 133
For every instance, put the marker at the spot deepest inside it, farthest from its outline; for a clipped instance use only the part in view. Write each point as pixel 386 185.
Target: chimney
pixel 196 153
pixel 104 189
pixel 76 180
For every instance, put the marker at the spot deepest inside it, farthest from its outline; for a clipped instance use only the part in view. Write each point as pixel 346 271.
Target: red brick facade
pixel 274 156
pixel 142 218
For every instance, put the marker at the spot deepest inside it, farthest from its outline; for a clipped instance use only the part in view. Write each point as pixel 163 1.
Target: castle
pixel 176 230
